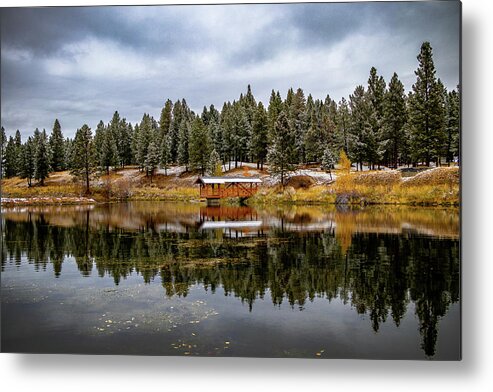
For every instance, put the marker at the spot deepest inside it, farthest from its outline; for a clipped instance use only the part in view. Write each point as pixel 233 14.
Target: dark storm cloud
pixel 79 64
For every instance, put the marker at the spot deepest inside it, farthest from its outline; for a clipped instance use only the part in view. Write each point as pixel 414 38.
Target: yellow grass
pixel 438 186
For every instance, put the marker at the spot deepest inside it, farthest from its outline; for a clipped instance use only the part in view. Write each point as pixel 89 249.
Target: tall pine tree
pixel 426 111
pixel 57 147
pixel 281 151
pixel 199 146
pixel 152 159
pixel 84 156
pixel 42 158
pixel 28 161
pixel 259 140
pixel 395 117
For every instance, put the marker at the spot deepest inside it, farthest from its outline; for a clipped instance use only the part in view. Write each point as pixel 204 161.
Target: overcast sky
pixel 81 64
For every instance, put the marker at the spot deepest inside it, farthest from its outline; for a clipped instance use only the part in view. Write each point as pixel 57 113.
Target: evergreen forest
pixel 379 124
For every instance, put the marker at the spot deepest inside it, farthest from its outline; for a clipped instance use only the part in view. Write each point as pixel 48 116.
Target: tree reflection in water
pixel 377 260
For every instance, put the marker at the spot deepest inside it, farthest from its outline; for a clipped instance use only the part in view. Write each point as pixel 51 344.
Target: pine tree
pixel 57 148
pixel 214 167
pixel 216 135
pixel 297 114
pixel 328 161
pixel 42 159
pixel 18 151
pixel 84 155
pixel 121 138
pixel 343 121
pixel 135 143
pixel 11 159
pixel 426 111
pixel 99 140
pixel 152 159
pixel 360 128
pixel 273 111
pixel 108 151
pixel 28 161
pixel 453 126
pixel 242 133
pixel 376 96
pixel 125 152
pixel 227 137
pixel 175 130
pixel 395 117
pixel 199 146
pixel 68 148
pixel 183 153
pixel 143 140
pixel 280 153
pixel 165 119
pixel 259 140
pixel 316 136
pixel 165 154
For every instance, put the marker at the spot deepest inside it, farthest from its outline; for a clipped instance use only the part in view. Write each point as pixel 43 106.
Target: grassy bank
pixel 439 186
pixel 432 187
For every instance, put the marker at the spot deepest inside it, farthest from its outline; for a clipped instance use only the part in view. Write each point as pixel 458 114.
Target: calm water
pixel 174 279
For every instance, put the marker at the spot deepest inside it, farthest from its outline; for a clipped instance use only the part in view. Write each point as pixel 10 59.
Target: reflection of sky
pixel 81 64
pixel 91 314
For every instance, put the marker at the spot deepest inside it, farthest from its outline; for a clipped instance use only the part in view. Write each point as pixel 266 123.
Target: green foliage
pixel 28 161
pixel 57 148
pixel 453 126
pixel 165 152
pixel 84 155
pixel 144 136
pixel 165 120
pixel 214 167
pixel 426 110
pixel 183 152
pixel 152 159
pixel 394 119
pixel 361 131
pixel 199 146
pixel 328 160
pixel 376 97
pixel 259 141
pixel 281 152
pixel 10 165
pixel 108 151
pixel 42 158
pixel 375 126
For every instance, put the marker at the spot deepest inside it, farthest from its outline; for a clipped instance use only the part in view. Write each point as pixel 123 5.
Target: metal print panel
pixel 262 180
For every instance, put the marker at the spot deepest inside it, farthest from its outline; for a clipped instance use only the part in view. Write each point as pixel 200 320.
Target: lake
pixel 156 278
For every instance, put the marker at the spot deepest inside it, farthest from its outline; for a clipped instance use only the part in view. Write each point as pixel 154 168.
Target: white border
pixel 474 373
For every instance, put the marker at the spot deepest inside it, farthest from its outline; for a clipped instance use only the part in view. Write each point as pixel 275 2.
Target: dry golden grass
pixel 386 178
pixel 298 182
pixel 438 186
pixel 171 194
pixel 437 176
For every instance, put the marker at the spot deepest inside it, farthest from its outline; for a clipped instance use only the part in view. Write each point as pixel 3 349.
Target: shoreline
pixel 433 187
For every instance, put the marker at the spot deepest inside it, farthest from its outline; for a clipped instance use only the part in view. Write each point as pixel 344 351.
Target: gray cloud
pixel 79 64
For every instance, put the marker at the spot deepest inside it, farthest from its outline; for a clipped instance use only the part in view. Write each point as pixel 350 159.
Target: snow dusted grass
pixel 439 186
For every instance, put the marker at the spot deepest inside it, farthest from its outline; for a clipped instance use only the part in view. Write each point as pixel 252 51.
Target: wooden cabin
pixel 214 188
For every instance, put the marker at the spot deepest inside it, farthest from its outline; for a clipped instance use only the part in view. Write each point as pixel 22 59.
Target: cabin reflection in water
pixel 235 222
